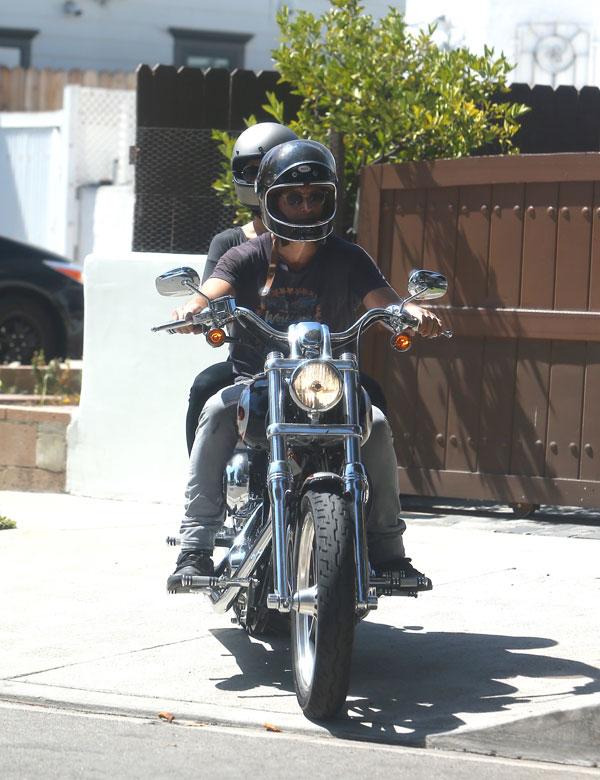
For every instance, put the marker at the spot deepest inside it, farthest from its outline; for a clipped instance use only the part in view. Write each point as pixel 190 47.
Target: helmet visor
pixel 244 170
pixel 302 204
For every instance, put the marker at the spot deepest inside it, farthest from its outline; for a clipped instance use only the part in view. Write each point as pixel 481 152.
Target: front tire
pixel 322 643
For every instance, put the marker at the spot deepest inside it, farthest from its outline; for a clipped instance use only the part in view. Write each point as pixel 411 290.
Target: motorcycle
pixel 297 544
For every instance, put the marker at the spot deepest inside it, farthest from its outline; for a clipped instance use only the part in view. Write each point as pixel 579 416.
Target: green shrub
pixel 393 94
pixel 6 523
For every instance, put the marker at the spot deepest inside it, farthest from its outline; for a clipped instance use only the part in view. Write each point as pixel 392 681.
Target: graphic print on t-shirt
pixel 286 305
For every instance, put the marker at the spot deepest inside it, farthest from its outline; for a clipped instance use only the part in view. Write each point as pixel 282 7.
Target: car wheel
pixel 25 328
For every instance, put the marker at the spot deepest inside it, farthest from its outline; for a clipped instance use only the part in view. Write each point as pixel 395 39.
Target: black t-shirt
pixel 329 289
pixel 219 245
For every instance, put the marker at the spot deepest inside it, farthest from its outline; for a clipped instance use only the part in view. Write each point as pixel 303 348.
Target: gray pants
pixel 216 438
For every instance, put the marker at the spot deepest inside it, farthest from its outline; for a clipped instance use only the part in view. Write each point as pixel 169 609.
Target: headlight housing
pixel 316 386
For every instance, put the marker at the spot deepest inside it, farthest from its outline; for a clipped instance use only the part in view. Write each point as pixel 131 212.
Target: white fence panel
pixel 48 158
pixel 31 170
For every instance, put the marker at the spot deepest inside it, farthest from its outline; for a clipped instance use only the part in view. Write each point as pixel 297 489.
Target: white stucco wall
pixel 513 27
pixel 128 437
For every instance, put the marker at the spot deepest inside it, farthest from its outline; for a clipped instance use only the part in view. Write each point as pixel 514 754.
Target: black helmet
pixel 295 164
pixel 249 149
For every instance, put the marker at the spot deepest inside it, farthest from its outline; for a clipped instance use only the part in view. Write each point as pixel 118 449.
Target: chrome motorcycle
pixel 297 542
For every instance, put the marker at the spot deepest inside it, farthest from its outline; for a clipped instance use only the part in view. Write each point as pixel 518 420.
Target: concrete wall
pixel 33 452
pixel 127 440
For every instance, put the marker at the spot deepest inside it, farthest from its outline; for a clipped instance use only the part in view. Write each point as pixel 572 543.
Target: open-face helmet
pixel 283 173
pixel 248 151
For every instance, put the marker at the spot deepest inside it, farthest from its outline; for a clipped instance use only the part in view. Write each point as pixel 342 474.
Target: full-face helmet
pixel 248 151
pixel 297 190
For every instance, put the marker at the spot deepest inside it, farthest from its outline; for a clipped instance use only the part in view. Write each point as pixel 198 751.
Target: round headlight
pixel 316 386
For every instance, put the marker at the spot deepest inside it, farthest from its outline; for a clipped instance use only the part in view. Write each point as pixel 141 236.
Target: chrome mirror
pixel 179 281
pixel 426 285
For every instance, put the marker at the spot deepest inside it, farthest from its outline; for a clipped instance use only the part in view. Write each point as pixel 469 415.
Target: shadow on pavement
pixel 407 685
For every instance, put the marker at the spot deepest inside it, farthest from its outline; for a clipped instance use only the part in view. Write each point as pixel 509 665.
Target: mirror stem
pixel 197 290
pixel 412 297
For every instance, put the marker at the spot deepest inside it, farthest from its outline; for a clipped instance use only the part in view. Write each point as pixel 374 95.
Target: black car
pixel 41 303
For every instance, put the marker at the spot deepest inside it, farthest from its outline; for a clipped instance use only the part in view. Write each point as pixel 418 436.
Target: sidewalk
pixel 509 637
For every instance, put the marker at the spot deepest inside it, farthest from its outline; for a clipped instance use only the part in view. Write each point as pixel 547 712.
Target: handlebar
pixel 394 316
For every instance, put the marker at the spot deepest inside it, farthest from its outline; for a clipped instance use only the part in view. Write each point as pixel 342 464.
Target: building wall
pixel 120 34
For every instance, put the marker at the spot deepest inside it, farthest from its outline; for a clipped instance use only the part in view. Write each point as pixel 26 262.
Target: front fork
pixel 356 489
pixel 279 481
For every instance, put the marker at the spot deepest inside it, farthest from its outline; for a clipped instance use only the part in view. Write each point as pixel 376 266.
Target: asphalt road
pixel 36 743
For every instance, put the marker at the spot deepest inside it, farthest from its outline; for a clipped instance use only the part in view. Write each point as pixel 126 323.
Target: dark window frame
pixel 18 38
pixel 186 43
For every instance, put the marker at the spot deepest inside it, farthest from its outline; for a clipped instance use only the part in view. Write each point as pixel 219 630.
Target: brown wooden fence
pixel 508 409
pixel 29 89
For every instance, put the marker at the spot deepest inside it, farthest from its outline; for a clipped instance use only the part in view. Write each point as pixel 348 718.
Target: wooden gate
pixel 508 409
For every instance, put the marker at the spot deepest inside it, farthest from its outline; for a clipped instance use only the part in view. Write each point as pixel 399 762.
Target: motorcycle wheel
pixel 322 643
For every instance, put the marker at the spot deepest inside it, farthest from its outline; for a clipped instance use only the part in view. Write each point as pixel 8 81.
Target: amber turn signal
pixel 401 342
pixel 216 337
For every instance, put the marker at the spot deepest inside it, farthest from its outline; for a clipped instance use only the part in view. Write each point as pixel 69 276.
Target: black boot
pixel 402 568
pixel 195 563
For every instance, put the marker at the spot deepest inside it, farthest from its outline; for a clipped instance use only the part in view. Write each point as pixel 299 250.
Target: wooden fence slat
pixel 216 85
pixel 464 403
pixel 565 404
pixel 573 245
pixel 91 78
pixel 590 434
pixel 144 97
pixel 191 98
pixel 472 245
pixel 588 119
pixel 497 403
pixel 506 235
pixel 429 434
pixel 407 245
pixel 164 88
pixel 399 375
pixel 16 87
pixel 267 82
pixel 594 293
pixel 530 412
pixel 5 77
pixel 439 242
pixel 244 97
pixel 375 349
pixel 369 210
pixel 539 246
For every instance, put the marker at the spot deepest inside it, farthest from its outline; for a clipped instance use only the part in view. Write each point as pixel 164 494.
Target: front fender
pixel 320 478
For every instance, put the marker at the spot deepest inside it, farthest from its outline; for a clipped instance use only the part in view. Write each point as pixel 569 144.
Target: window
pixel 15 47
pixel 199 49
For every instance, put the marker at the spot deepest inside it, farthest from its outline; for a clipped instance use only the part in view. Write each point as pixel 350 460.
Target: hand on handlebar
pixel 195 306
pixel 423 321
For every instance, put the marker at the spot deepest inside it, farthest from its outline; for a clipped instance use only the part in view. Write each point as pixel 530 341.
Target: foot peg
pixel 191 583
pixel 393 583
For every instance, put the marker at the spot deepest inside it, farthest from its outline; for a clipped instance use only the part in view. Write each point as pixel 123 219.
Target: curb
pixel 566 736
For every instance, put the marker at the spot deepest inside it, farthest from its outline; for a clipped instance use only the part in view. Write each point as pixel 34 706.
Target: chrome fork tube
pixel 355 486
pixel 278 481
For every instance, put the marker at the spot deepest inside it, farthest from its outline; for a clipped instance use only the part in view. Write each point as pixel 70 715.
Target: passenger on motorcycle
pixel 249 149
pixel 297 271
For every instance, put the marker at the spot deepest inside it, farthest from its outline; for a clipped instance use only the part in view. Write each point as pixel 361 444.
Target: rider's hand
pixel 196 305
pixel 430 324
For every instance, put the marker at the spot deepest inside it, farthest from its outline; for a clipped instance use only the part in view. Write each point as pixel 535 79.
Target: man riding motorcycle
pixel 297 271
